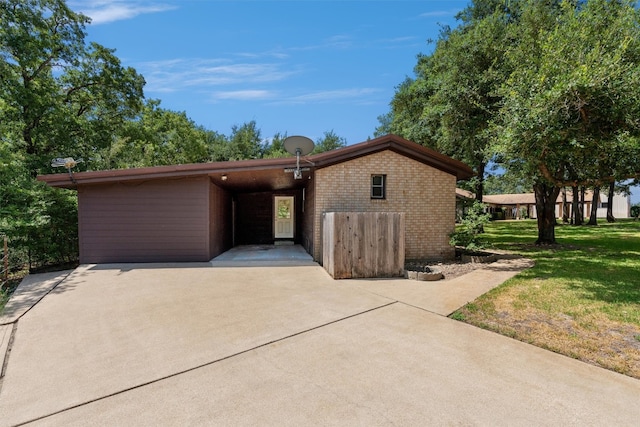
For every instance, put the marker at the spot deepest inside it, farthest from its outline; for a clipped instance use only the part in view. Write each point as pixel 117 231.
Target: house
pixel 195 212
pixel 517 206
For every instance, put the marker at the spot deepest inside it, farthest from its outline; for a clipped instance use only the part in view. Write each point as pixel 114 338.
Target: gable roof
pixel 399 145
pixel 265 174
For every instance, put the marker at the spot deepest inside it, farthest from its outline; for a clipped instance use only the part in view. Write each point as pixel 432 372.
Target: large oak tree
pixel 571 105
pixel 66 96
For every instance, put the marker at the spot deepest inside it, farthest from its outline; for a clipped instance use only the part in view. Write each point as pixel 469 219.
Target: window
pixel 378 183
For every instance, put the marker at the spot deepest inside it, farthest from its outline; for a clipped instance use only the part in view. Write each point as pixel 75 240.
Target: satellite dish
pixel 67 162
pixel 298 146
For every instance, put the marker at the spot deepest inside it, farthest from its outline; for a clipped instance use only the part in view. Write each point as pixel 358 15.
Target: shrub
pixel 468 232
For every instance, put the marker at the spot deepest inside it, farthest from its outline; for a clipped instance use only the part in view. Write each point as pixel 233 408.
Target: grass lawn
pixel 581 299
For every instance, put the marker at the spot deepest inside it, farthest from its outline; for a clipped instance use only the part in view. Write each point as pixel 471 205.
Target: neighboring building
pixel 195 212
pixel 518 206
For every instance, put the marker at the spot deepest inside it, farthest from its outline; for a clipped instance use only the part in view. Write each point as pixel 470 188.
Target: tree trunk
pixel 565 206
pixel 610 217
pixel 480 184
pixel 593 218
pixel 582 204
pixel 575 203
pixel 546 196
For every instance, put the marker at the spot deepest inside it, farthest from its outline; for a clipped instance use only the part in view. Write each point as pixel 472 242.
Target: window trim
pixel 382 186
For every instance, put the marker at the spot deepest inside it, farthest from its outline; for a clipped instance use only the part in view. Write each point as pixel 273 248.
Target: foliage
pixel 468 233
pixel 40 222
pixel 275 148
pixel 581 299
pixel 157 137
pixel 451 103
pixel 245 142
pixel 329 141
pixel 59 96
pixel 64 96
pixel 547 89
pixel 571 105
pixel 635 210
pixel 508 182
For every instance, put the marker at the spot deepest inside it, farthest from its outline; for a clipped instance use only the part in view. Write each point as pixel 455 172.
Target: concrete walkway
pixel 189 344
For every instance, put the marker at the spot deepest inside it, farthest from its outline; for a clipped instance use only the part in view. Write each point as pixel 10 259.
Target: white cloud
pixel 105 11
pixel 438 13
pixel 244 95
pixel 355 94
pixel 176 74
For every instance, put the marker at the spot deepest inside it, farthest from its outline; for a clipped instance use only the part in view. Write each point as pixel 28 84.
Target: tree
pixel 593 218
pixel 451 103
pixel 468 234
pixel 65 96
pixel 245 142
pixel 275 149
pixel 508 181
pixel 330 141
pixel 59 96
pixel 571 102
pixel 157 137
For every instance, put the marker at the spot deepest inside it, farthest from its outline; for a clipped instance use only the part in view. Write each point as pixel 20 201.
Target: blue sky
pixel 301 67
pixel 297 66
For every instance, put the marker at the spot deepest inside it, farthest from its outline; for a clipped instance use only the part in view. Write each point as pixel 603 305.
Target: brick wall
pixel 426 195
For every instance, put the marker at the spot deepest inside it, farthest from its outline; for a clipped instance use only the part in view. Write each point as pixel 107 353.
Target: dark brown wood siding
pixel 219 221
pixel 154 221
pixel 254 218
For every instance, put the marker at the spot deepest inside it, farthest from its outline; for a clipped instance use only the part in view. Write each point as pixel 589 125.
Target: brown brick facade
pixel 425 194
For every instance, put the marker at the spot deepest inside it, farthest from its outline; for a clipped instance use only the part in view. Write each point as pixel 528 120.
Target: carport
pixel 255 197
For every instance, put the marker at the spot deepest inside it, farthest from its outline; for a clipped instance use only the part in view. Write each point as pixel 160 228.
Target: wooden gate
pixel 363 244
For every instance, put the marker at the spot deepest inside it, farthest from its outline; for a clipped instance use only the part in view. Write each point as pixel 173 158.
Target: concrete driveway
pixel 191 344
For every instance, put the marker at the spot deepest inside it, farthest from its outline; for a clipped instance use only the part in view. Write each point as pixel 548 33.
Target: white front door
pixel 283 217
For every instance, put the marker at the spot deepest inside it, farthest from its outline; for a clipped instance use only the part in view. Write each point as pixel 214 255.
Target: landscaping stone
pixel 428 275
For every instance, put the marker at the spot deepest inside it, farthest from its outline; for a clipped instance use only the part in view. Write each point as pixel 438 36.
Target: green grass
pixel 581 299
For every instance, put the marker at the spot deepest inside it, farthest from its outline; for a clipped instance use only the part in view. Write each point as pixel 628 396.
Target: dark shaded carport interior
pixel 252 194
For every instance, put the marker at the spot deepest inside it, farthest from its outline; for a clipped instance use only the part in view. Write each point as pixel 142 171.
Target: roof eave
pixel 63 180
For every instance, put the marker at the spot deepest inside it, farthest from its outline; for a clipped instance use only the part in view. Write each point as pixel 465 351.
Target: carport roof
pixel 265 174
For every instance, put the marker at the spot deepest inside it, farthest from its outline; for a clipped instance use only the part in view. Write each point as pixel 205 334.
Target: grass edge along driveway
pixel 581 299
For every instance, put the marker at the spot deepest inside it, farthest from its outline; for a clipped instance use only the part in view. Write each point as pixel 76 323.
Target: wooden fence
pixel 363 244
